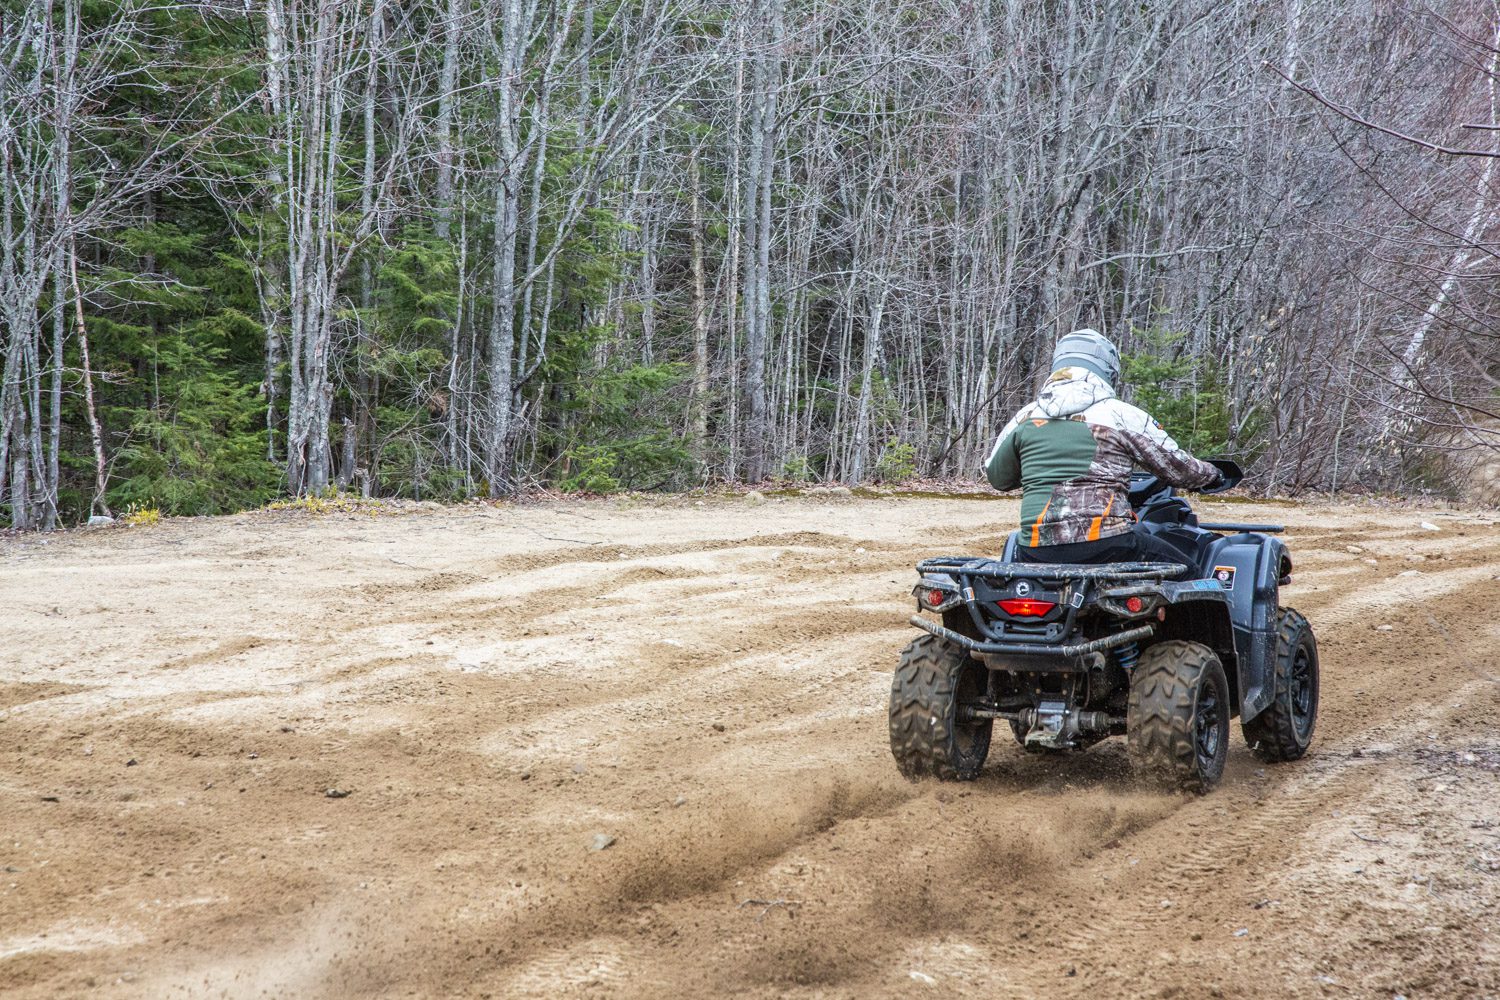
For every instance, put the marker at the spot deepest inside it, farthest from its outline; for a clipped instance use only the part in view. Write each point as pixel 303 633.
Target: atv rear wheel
pixel 934 680
pixel 1177 720
pixel 1283 730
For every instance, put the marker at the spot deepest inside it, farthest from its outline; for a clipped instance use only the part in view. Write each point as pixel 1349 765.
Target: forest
pixel 448 248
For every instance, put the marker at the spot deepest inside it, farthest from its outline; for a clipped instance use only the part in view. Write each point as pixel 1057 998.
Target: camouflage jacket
pixel 1072 451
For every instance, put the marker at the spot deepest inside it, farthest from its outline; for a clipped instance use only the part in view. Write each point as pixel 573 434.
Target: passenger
pixel 1071 453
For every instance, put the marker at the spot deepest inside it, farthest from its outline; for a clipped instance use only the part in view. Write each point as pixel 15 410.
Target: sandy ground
pixel 499 690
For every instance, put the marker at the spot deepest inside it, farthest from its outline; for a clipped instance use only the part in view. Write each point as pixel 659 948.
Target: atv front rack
pixel 1097 572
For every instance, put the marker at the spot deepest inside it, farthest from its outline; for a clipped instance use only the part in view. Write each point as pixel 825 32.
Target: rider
pixel 1072 451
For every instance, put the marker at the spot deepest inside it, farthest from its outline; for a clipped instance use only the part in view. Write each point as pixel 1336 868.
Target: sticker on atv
pixel 1225 576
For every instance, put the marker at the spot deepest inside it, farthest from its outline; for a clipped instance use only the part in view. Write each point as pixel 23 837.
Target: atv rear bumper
pixel 1035 649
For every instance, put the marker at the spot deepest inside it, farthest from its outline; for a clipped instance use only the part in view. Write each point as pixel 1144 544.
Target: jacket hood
pixel 1072 390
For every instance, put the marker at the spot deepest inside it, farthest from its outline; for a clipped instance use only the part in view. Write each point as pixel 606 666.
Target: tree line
pixel 456 248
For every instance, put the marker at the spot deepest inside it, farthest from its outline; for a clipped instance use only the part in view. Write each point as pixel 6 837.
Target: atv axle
pixel 1027 717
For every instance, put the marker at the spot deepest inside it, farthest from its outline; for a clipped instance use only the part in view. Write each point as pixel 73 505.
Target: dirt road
pixel 288 755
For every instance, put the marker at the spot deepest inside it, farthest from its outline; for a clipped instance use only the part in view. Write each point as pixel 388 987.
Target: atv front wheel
pixel 1284 728
pixel 934 682
pixel 1177 720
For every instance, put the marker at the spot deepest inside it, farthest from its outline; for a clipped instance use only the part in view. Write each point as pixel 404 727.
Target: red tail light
pixel 1023 608
pixel 935 598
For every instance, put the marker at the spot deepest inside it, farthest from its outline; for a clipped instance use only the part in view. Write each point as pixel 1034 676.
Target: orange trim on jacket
pixel 1036 529
pixel 1098 523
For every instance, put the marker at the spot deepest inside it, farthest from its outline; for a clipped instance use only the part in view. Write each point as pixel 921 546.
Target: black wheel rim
pixel 1209 731
pixel 1304 687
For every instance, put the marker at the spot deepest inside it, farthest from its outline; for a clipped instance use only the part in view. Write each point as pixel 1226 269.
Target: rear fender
pixel 1254 565
pixel 1206 621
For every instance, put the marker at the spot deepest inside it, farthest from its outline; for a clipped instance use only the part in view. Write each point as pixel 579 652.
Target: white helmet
pixel 1088 349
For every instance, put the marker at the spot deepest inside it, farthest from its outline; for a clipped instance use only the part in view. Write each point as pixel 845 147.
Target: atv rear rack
pixel 1099 572
pixel 975 580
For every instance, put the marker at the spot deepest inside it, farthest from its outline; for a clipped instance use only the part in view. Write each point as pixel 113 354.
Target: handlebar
pixel 1230 470
pixel 1143 486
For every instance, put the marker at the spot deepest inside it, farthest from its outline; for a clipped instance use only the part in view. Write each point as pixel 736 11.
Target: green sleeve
pixel 1003 467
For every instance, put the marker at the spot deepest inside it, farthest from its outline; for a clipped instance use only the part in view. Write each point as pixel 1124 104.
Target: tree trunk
pixel 502 335
pixel 96 433
pixel 758 287
pixel 447 96
pixel 700 320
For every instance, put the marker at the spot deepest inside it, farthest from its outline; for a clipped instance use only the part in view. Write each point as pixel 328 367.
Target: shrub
pixel 591 470
pixel 137 515
pixel 1188 394
pixel 796 469
pixel 898 462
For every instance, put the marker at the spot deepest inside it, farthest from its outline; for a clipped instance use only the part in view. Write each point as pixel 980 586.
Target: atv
pixel 1162 653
